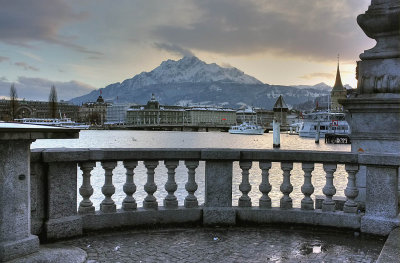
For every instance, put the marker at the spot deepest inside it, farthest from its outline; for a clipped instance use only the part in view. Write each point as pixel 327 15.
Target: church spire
pixel 338 81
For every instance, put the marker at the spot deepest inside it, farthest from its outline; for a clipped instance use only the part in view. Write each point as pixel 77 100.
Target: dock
pixel 337 138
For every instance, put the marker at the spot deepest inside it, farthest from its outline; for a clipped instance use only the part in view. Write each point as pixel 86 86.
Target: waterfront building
pixel 155 114
pixel 116 113
pixel 37 109
pixel 211 116
pixel 338 92
pixel 94 112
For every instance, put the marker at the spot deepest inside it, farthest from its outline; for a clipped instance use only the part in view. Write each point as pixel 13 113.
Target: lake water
pixel 171 139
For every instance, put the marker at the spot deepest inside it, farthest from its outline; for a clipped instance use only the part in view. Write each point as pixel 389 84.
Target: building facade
pixel 155 114
pixel 37 109
pixel 94 112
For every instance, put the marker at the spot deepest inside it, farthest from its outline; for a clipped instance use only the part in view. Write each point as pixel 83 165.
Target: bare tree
pixel 13 102
pixel 53 102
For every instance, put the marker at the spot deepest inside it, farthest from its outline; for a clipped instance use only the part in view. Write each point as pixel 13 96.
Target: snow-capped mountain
pixel 192 81
pixel 193 70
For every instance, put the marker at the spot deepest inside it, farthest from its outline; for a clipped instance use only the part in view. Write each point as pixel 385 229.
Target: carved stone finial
pixel 378 72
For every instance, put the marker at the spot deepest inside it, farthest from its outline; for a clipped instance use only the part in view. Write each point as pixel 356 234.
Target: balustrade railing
pixel 217 199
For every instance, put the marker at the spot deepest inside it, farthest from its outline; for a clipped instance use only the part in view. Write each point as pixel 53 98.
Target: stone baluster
pixel 86 190
pixel 329 189
pixel 265 187
pixel 108 189
pixel 286 187
pixel 351 191
pixel 129 202
pixel 170 200
pixel 150 202
pixel 245 187
pixel 307 189
pixel 191 185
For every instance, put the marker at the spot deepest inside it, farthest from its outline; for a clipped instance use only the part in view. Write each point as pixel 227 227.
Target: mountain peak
pixel 193 70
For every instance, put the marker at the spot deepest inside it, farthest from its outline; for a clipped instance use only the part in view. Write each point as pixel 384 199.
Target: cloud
pixel 314 30
pixel 4 59
pixel 174 49
pixel 318 75
pixel 25 66
pixel 24 23
pixel 39 88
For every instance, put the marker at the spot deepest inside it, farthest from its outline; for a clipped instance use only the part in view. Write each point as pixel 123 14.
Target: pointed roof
pixel 338 82
pixel 280 104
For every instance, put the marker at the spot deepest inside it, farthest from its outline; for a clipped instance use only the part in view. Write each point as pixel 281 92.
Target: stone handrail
pixel 54 174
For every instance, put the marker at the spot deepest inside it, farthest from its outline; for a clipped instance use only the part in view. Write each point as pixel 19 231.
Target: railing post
pixel 129 188
pixel 329 190
pixel 191 185
pixel 150 202
pixel 218 196
pixel 108 189
pixel 63 220
pixel 86 190
pixel 286 187
pixel 245 186
pixel 351 191
pixel 307 189
pixel 170 200
pixel 265 187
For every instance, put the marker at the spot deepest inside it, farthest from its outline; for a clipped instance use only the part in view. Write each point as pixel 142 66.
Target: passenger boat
pixel 325 122
pixel 247 128
pixel 62 122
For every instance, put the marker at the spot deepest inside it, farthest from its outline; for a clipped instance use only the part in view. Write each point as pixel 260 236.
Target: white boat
pixel 247 128
pixel 328 122
pixel 62 122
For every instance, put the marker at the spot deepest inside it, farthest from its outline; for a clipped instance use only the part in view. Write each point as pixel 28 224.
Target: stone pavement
pixel 236 244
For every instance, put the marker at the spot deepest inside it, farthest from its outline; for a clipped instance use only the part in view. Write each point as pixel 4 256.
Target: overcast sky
pixel 83 45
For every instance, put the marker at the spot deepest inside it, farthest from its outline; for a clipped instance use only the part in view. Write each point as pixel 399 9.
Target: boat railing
pixel 55 189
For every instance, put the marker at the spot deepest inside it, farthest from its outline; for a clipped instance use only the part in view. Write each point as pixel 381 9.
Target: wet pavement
pixel 236 244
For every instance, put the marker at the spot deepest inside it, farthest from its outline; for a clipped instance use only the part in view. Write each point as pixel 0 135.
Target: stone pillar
pixel 16 239
pixel 374 111
pixel 218 195
pixel 15 203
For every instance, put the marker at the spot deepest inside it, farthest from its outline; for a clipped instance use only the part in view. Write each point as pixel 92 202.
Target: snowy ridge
pixel 192 70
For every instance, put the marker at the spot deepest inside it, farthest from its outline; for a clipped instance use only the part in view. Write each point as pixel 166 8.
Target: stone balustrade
pixel 55 213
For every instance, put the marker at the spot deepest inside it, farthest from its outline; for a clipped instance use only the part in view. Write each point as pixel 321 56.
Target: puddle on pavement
pixel 315 248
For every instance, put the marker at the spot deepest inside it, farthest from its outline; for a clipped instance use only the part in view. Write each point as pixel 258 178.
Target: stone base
pixel 63 227
pixel 14 249
pixel 274 215
pixel 219 216
pixel 54 253
pixel 379 225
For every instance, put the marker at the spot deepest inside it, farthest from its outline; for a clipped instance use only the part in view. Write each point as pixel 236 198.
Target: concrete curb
pixel 391 249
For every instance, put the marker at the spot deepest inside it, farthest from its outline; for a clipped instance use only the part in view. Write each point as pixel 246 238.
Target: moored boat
pixel 324 122
pixel 247 128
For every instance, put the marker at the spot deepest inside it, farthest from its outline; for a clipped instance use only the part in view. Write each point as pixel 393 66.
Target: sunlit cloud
pixel 318 75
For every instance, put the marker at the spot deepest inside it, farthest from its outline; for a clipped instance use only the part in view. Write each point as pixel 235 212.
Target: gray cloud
pixel 22 23
pixel 314 30
pixel 39 89
pixel 26 66
pixel 174 49
pixel 4 59
pixel 318 75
